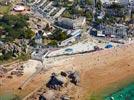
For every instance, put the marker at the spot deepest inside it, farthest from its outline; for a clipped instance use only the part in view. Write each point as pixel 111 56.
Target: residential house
pixel 118 31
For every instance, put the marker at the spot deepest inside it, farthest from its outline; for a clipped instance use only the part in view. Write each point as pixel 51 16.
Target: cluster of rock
pixel 9 73
pixel 2 71
pixel 14 49
pixel 58 81
pixel 18 71
pixel 56 85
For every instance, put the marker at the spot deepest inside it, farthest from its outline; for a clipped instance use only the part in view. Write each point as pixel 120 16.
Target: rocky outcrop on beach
pixel 55 86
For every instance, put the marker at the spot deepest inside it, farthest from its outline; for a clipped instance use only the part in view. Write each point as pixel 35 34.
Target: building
pixel 124 2
pixel 119 31
pixel 116 31
pixel 74 36
pixel 19 8
pixel 70 23
pixel 65 23
pixel 38 38
pixel 118 11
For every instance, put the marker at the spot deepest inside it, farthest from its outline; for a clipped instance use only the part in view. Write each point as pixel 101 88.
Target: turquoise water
pixel 126 93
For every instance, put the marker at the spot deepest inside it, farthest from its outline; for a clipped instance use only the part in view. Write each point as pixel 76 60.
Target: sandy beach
pixel 98 70
pixel 102 69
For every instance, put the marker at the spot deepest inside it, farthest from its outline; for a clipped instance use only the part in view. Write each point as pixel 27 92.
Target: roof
pixel 66 20
pixel 76 32
pixel 38 36
pixel 19 8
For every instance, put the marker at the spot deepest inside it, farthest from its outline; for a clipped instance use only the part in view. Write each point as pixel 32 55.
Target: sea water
pixel 126 93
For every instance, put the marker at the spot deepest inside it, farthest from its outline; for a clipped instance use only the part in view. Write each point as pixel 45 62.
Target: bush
pixel 24 56
pixel 58 35
pixel 7 55
pixel 53 43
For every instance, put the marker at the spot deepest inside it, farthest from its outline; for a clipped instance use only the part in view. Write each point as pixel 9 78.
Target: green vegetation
pixel 8 57
pixel 5 9
pixel 89 2
pixel 89 16
pixel 77 11
pixel 109 19
pixel 99 5
pixel 57 36
pixel 23 56
pixel 53 43
pixel 15 26
pixel 67 14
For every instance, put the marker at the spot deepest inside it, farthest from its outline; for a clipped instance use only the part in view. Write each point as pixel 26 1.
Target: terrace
pixel 74 49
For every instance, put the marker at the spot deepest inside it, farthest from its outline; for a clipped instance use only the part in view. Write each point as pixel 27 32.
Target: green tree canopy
pixel 89 2
pixel 16 26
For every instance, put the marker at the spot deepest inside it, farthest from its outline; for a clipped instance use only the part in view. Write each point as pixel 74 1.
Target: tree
pixel 29 33
pixel 53 43
pixel 99 4
pixel 63 36
pixel 7 55
pixel 59 35
pixel 67 14
pixel 1 58
pixel 89 16
pixel 16 26
pixel 89 2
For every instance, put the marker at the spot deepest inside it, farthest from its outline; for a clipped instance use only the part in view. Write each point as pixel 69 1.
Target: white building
pixel 116 1
pixel 19 8
pixel 70 23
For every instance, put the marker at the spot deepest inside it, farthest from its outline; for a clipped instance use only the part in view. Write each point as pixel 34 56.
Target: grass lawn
pixel 4 9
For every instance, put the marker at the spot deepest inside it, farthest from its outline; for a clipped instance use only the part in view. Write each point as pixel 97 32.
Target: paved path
pixel 28 80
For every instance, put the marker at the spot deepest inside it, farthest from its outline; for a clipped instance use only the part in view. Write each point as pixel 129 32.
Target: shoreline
pixel 100 72
pixel 112 88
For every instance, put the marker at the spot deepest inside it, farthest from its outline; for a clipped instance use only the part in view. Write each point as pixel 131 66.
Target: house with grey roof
pixel 118 31
pixel 112 31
